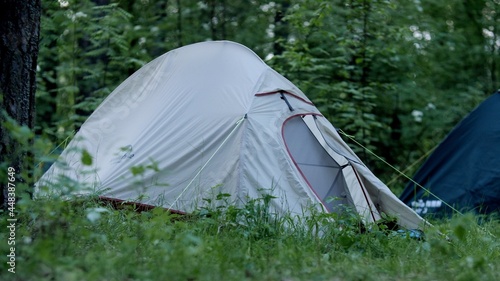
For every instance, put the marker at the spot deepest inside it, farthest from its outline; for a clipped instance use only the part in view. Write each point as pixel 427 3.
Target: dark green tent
pixel 464 170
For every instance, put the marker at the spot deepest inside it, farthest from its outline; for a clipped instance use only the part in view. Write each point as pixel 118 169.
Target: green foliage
pixel 89 47
pixel 25 150
pixel 336 57
pixel 85 239
pixel 67 237
pixel 84 54
pixel 86 158
pixel 395 76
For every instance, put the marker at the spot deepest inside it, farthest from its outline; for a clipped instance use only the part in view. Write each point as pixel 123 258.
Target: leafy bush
pixel 87 239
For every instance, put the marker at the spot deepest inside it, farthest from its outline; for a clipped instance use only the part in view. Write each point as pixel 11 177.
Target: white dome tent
pixel 214 118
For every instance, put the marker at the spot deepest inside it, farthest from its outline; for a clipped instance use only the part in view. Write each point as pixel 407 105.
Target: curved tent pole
pixel 238 123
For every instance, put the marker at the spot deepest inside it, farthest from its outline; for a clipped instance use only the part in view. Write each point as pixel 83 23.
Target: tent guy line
pixel 212 85
pixel 238 123
pixel 397 170
pixel 463 170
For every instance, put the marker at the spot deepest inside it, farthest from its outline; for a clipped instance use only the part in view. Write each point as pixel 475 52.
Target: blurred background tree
pixel 395 76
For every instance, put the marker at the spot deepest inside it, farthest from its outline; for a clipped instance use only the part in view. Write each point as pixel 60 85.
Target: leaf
pixel 137 170
pixel 221 196
pixel 460 232
pixel 86 158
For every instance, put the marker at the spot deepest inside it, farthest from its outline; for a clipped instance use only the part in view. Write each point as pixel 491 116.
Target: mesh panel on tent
pixel 322 172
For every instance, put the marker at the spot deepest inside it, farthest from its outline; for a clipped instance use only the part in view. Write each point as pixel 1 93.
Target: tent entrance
pixel 321 172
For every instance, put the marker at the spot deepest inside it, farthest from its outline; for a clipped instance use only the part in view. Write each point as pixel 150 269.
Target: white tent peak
pixel 212 118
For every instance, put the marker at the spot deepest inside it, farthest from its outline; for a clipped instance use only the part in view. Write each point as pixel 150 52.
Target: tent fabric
pixel 316 165
pixel 212 118
pixel 464 169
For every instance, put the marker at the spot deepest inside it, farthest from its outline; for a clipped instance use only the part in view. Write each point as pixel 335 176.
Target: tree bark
pixel 179 24
pixel 280 28
pixel 213 19
pixel 19 37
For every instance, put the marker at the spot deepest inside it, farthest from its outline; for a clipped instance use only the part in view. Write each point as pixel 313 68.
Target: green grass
pixel 58 240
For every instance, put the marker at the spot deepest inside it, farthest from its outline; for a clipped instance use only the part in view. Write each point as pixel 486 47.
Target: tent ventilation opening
pixel 321 172
pixel 282 94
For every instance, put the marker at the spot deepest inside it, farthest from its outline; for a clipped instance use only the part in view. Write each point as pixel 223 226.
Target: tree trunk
pixel 280 28
pixel 19 35
pixel 179 24
pixel 213 19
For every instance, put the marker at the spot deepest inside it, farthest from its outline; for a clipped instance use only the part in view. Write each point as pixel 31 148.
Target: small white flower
pixel 80 15
pixel 202 5
pixel 94 214
pixel 417 115
pixel 63 3
pixel 430 106
pixel 75 16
